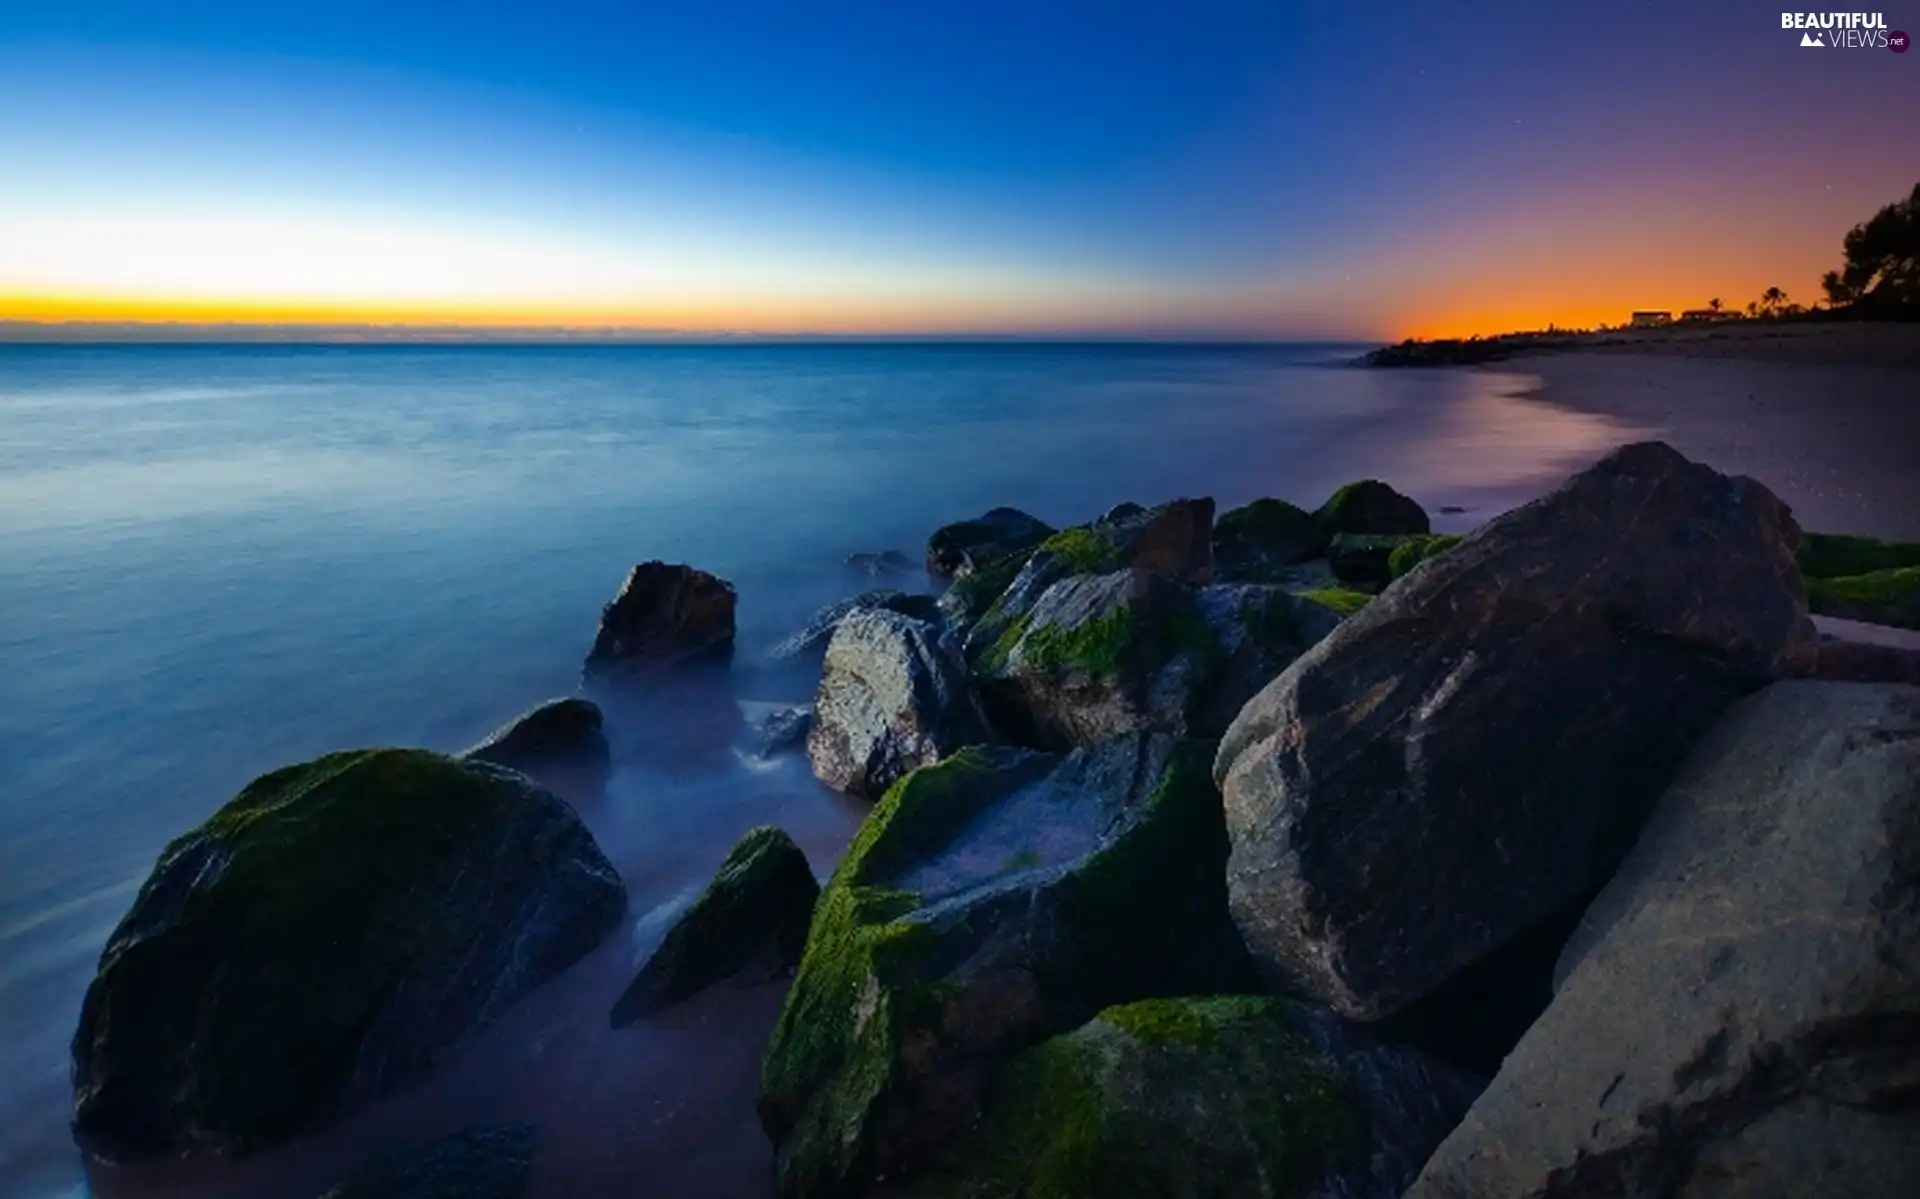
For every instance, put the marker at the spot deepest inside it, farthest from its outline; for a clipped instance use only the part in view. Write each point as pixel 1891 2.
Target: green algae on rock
pixel 1364 559
pixel 1256 543
pixel 752 915
pixel 1371 507
pixel 994 536
pixel 1888 597
pixel 987 902
pixel 324 939
pixel 1835 555
pixel 1415 550
pixel 1340 599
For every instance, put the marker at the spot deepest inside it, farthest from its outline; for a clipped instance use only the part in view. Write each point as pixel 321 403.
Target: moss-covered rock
pixel 1836 555
pixel 1211 1098
pixel 325 939
pixel 1415 550
pixel 479 1163
pixel 989 901
pixel 1889 597
pixel 562 744
pixel 1339 599
pixel 973 593
pixel 1364 560
pixel 752 916
pixel 1370 506
pixel 994 536
pixel 1257 543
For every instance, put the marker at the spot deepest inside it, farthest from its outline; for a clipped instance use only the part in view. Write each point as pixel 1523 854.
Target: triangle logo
pixel 1812 39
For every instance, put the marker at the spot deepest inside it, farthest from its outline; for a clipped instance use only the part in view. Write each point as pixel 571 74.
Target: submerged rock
pixel 894 695
pixel 1739 1013
pixel 1259 542
pixel 1198 1098
pixel 989 901
pixel 479 1163
pixel 807 647
pixel 1371 507
pixel 323 940
pixel 991 537
pixel 785 731
pixel 665 617
pixel 751 918
pixel 1476 747
pixel 561 738
pixel 886 562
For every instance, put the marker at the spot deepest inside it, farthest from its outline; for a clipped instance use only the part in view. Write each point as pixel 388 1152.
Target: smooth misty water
pixel 217 560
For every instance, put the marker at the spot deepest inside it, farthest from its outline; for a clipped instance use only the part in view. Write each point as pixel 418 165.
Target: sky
pixel 1263 170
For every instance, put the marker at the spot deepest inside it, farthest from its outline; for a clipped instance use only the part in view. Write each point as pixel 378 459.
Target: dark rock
pixel 1740 1011
pixel 1863 662
pixel 479 1163
pixel 554 742
pixel 970 544
pixel 1104 655
pixel 1838 555
pixel 751 918
pixel 1124 510
pixel 1473 749
pixel 894 695
pixel 989 901
pixel 808 646
pixel 1370 506
pixel 323 940
pixel 1363 560
pixel 1258 542
pixel 1193 1098
pixel 785 731
pixel 665 617
pixel 1452 510
pixel 887 562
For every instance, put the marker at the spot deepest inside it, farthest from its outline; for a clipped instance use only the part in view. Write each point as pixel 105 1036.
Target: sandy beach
pixel 1838 439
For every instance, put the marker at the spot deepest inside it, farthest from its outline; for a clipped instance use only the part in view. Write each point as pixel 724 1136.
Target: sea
pixel 216 560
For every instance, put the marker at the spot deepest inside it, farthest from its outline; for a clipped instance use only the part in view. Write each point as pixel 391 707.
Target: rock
pixel 807 647
pixel 1887 597
pixel 1412 551
pixel 1452 510
pixel 1258 542
pixel 752 917
pixel 1371 507
pixel 989 901
pixel 887 562
pixel 665 617
pixel 558 740
pixel 1476 747
pixel 894 695
pixel 1740 1011
pixel 479 1163
pixel 1104 655
pixel 1193 1098
pixel 970 544
pixel 1837 555
pixel 1364 560
pixel 1173 541
pixel 785 731
pixel 326 939
pixel 1864 662
pixel 1124 510
pixel 975 593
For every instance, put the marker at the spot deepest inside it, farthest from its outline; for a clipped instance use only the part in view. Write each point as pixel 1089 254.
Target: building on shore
pixel 1651 318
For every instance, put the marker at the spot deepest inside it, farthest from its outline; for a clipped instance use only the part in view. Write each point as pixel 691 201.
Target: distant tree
pixel 1772 301
pixel 1883 259
pixel 1753 308
pixel 1714 303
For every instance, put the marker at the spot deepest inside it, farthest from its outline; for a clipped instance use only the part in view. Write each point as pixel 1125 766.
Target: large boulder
pixel 555 743
pixel 988 902
pixel 1739 1013
pixel 1371 507
pixel 1103 655
pixel 1475 749
pixel 664 618
pixel 894 695
pixel 1197 1098
pixel 478 1163
pixel 752 917
pixel 325 939
pixel 808 647
pixel 1259 542
pixel 967 545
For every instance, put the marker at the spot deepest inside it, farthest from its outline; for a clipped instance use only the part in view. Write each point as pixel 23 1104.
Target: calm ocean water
pixel 214 561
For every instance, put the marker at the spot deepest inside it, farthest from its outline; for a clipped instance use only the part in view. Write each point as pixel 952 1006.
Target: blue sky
pixel 1235 168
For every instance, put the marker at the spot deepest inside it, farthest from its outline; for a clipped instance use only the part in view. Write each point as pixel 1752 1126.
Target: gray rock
pixel 785 731
pixel 880 565
pixel 1477 747
pixel 1739 1013
pixel 479 1163
pixel 324 940
pixel 894 695
pixel 991 537
pixel 991 900
pixel 665 617
pixel 751 918
pixel 807 647
pixel 558 740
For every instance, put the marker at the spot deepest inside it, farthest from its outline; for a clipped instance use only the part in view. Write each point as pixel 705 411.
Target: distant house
pixel 1651 318
pixel 1701 315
